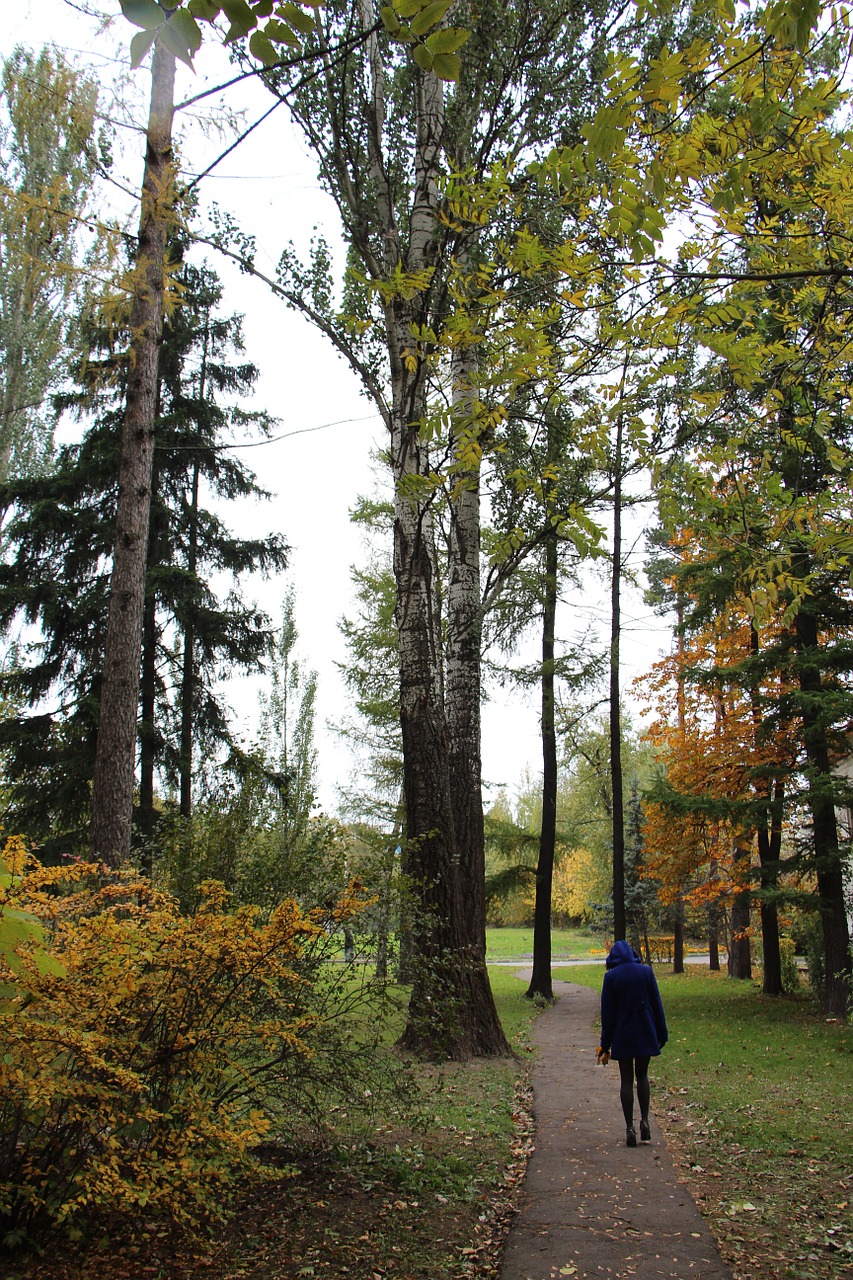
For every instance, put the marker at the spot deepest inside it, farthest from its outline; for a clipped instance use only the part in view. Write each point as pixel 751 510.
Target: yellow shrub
pixel 135 1065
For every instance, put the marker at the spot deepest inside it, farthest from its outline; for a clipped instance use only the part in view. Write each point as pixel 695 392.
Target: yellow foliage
pixel 578 884
pixel 14 855
pixel 134 1071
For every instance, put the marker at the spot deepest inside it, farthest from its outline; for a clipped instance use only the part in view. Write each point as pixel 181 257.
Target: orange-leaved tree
pixel 717 805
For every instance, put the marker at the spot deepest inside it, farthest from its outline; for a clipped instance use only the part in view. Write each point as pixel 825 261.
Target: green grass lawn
pixel 517 944
pixel 756 1097
pixel 753 1094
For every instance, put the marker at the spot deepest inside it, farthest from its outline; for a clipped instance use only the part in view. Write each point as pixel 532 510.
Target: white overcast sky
pixel 269 184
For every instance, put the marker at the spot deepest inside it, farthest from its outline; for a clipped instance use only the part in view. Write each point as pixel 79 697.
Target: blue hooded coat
pixel 632 1018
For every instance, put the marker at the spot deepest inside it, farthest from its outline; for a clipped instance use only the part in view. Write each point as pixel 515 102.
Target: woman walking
pixel 633 1030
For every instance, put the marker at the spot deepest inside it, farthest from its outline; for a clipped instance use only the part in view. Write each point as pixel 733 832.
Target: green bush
pixel 790 973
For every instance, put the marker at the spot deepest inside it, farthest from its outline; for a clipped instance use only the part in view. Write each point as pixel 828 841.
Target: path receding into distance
pixel 593 1207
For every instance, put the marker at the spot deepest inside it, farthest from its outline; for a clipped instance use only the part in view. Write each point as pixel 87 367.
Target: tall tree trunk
pixel 463 696
pixel 678 925
pixel 769 817
pixel 115 759
pixel 768 859
pixel 437 1023
pixel 145 817
pixel 769 849
pixel 188 672
pixel 147 730
pixel 828 863
pixel 451 1011
pixel 713 939
pixel 540 982
pixel 713 922
pixel 678 937
pixel 740 950
pixel 616 786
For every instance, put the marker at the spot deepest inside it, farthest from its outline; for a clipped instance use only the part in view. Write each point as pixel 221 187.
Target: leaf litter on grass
pixel 384 1210
pixel 756 1112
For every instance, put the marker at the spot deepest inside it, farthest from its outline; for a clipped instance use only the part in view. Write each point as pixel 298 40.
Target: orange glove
pixel 602 1056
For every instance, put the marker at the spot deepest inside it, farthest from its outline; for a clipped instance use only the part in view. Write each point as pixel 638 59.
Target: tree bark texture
pixel 541 981
pixel 769 853
pixel 678 937
pixel 828 863
pixel 713 940
pixel 616 783
pixel 115 761
pixel 188 673
pixel 463 696
pixel 147 729
pixel 740 950
pixel 451 1010
pixel 769 835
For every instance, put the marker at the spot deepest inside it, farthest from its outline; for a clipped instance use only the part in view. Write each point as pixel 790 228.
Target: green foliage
pixel 371 674
pixel 412 22
pixel 287 728
pixel 177 26
pixel 241 835
pixel 55 577
pixel 582 876
pixel 141 1073
pixel 19 927
pixel 791 983
pixel 276 31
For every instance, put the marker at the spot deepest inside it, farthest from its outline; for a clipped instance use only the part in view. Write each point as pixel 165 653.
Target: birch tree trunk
pixel 115 760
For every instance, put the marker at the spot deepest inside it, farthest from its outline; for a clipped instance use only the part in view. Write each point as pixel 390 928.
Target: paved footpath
pixel 592 1206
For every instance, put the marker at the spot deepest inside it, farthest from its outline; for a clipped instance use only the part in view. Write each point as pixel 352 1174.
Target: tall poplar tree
pixel 50 147
pixel 386 132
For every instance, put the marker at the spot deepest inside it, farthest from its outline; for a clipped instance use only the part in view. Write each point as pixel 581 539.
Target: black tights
pixel 627 1067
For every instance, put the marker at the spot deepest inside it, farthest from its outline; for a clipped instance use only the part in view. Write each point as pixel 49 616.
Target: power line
pixel 286 435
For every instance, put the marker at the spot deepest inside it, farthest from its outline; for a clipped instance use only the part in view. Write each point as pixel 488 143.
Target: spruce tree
pixel 56 582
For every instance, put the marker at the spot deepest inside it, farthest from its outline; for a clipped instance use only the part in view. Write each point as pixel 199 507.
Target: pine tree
pixel 287 726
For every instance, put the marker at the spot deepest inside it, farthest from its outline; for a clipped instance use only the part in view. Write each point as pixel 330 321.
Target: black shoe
pixel 630 1137
pixel 645 1131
